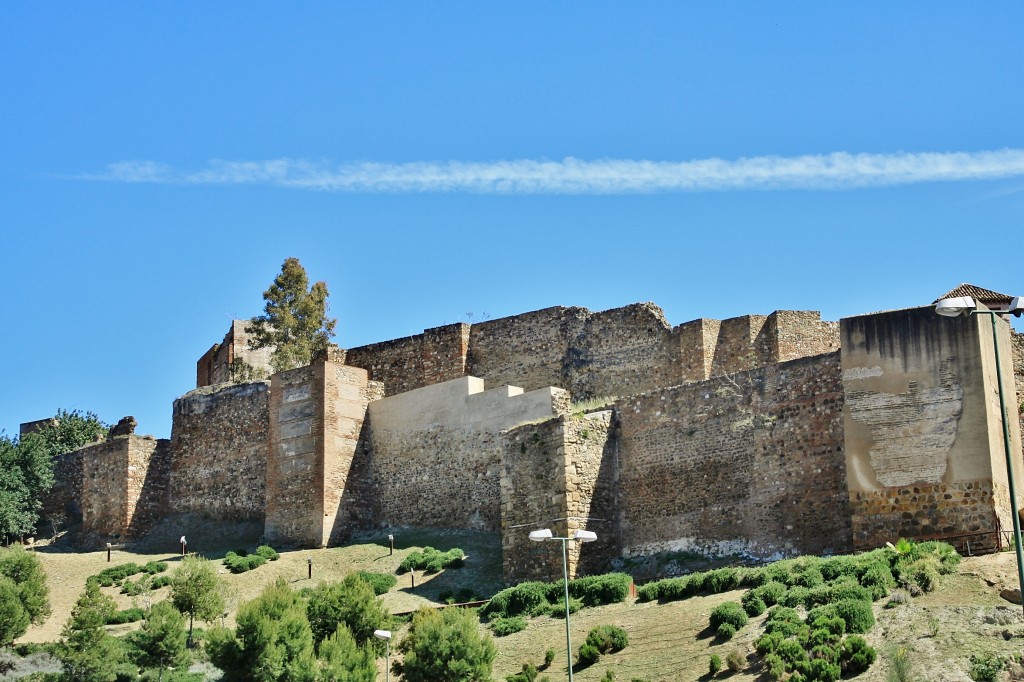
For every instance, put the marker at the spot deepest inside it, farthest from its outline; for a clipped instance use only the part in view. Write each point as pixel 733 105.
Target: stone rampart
pixel 437 451
pixel 617 352
pixel 747 463
pixel 63 502
pixel 219 437
pixel 317 480
pixel 124 486
pixel 924 444
pixel 562 474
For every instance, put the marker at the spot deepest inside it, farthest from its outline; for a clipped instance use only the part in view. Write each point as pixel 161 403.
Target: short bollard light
pixel 309 564
pixel 108 552
pixel 386 636
pixel 391 543
pixel 184 544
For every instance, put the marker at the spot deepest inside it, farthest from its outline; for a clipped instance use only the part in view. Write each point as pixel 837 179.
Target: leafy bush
pixel 115 575
pixel 726 631
pixel 856 612
pixel 715 665
pixel 774 666
pixel 134 588
pixel 735 660
pixel 588 656
pixel 267 552
pixel 507 626
pixel 721 580
pixel 557 610
pixel 856 655
pixel 753 604
pixel 380 582
pixel 729 612
pixel 160 581
pixel 126 616
pixel 432 560
pixel 597 590
pixel 986 667
pixel 519 600
pixel 549 657
pixel 608 638
pixel 796 596
pixel 154 567
pixel 824 670
pixel 527 674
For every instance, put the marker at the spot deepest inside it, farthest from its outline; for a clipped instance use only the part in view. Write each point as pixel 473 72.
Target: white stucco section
pixel 464 404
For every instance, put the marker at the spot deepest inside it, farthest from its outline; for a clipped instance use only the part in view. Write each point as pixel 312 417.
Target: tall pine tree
pixel 294 321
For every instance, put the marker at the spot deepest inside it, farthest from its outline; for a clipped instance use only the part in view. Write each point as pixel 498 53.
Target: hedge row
pixel 536 598
pixel 241 561
pixel 432 560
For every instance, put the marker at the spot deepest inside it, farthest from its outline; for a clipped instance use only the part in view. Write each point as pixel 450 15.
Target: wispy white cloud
pixel 836 171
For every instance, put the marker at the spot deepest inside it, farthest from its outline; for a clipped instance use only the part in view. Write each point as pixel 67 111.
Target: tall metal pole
pixel 565 582
pixel 387 660
pixel 1009 458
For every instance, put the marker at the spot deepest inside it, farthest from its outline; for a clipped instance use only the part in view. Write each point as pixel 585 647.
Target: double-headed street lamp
pixel 578 536
pixel 966 306
pixel 386 636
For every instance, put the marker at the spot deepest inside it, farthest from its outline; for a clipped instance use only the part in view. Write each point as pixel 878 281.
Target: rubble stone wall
pixel 750 463
pixel 219 444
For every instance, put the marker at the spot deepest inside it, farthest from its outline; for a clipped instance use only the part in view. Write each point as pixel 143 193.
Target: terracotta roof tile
pixel 986 296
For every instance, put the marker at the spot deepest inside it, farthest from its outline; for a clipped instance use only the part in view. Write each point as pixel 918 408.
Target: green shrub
pixel 160 581
pixel 507 626
pixel 557 610
pixel 527 674
pixel 986 667
pixel 588 656
pixel 115 575
pixel 267 552
pixel 857 613
pixel 597 590
pixel 517 601
pixel 608 638
pixel 609 676
pixel 715 665
pixel 241 561
pixel 126 616
pixel 549 657
pixel 878 579
pixel 432 560
pixel 753 604
pixel 792 653
pixel 795 596
pixel 774 666
pixel 725 631
pixel 721 580
pixel 856 655
pixel 133 588
pixel 771 592
pixel 380 582
pixel 824 671
pixel 735 660
pixel 154 567
pixel 728 612
pixel 768 642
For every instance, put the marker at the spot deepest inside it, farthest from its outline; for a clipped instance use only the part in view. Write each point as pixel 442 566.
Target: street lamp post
pixel 966 306
pixel 386 636
pixel 578 536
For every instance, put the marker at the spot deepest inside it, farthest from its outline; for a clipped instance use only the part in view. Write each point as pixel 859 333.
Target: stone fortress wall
pixel 757 434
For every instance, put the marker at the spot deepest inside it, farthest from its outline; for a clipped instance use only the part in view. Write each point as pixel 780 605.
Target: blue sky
pixel 158 162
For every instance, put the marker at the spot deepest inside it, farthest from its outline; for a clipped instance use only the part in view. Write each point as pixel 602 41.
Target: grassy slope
pixel 668 642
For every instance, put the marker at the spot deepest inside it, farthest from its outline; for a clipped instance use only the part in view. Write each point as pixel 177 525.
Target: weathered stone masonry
pixel 769 435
